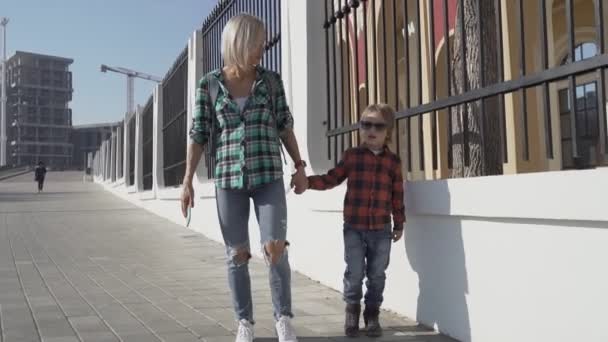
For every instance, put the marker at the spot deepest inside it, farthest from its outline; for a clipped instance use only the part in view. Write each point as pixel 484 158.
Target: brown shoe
pixel 371 317
pixel 351 322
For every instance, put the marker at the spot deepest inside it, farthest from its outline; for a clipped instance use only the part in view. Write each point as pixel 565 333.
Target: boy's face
pixel 373 130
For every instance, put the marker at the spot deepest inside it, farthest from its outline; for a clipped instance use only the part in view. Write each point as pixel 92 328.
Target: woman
pixel 242 110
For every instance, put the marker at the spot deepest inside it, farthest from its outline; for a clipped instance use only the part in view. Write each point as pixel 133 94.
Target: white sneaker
pixel 285 330
pixel 245 331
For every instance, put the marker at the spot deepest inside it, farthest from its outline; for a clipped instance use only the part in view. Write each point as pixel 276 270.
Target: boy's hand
pixel 299 181
pixel 397 234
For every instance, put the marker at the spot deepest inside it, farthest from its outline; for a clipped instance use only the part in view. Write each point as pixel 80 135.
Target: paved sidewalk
pixel 78 264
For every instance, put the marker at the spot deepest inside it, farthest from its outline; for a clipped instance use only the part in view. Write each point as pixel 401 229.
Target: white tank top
pixel 240 101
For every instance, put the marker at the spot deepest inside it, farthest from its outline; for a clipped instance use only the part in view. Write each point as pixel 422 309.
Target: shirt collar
pixel 385 149
pixel 259 75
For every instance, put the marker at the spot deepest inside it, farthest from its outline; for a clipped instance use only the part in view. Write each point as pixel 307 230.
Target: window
pixel 587 126
pixel 582 51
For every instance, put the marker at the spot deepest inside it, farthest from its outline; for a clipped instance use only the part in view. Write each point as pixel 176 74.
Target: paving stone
pixel 87 266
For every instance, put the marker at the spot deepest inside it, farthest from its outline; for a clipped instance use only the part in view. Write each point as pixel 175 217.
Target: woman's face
pixel 258 52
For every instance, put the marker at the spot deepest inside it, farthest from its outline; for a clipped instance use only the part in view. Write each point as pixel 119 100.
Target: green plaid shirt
pixel 248 153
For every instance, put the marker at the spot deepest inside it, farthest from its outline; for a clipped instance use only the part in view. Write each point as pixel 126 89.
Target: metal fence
pixel 119 151
pixel 131 128
pixel 269 11
pixel 432 68
pixel 175 86
pixel 148 140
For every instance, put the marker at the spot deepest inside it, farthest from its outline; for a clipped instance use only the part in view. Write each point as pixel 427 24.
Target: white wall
pixel 509 258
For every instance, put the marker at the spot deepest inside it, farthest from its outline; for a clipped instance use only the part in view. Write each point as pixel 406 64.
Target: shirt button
pixel 243 143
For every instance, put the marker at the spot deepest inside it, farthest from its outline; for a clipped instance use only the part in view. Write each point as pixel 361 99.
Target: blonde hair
pixel 240 37
pixel 387 112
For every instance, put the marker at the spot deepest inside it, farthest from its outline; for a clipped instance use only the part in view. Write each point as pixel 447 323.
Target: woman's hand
pixel 187 198
pixel 299 181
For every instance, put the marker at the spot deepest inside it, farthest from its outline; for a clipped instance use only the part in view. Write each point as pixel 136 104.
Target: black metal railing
pixel 269 11
pixel 147 142
pixel 131 125
pixel 119 151
pixel 443 67
pixel 175 85
pixel 113 140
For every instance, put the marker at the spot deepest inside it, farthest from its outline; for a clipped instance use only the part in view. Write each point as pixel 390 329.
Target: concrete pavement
pixel 78 264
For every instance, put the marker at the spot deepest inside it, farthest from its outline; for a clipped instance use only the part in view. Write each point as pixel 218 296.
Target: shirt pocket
pixel 228 120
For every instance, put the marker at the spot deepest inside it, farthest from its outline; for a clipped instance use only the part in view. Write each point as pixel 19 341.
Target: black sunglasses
pixel 378 126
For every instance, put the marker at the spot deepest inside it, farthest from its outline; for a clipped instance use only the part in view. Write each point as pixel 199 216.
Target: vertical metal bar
pixel 270 20
pixel 465 116
pixel 419 60
pixel 396 72
pixel 545 65
pixel 385 47
pixel 572 78
pixel 264 15
pixel 433 77
pixel 367 87
pixel 601 90
pixel 326 26
pixel 482 83
pixel 448 73
pixel 522 73
pixel 395 56
pixel 407 86
pixel 280 43
pixel 374 52
pixel 334 22
pixel 500 74
pixel 340 16
pixel 355 6
pixel 346 20
pixel 277 35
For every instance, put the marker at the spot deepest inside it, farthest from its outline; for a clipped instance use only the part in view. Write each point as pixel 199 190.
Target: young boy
pixel 374 192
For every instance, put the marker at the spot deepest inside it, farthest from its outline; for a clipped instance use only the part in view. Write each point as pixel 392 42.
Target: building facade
pixel 87 139
pixel 39 119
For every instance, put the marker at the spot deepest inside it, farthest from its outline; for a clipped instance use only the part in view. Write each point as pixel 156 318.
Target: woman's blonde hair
pixel 387 112
pixel 240 37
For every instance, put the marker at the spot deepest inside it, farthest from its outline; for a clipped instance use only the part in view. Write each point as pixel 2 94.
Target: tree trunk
pixel 480 122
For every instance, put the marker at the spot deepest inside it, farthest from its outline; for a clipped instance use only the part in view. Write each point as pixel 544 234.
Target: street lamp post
pixel 3 119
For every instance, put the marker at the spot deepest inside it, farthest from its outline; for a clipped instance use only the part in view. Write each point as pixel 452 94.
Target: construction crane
pixel 131 75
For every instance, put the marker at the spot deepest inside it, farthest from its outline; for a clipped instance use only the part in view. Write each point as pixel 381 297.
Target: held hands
pixel 397 234
pixel 299 181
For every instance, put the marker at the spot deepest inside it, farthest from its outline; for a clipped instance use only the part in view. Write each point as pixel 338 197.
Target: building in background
pixel 38 115
pixel 86 139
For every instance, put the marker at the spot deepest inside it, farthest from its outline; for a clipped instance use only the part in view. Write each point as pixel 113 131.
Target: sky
pixel 143 35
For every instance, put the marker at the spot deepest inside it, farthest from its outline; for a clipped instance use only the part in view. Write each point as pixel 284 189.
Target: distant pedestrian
pixel 40 173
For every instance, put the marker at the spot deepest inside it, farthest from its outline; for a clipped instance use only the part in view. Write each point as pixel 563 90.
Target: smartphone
pixel 189 216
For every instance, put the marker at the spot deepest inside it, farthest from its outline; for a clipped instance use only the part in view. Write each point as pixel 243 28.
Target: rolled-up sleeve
pixel 201 120
pixel 283 113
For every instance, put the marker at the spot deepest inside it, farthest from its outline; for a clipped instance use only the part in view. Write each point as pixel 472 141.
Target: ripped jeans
pixel 271 211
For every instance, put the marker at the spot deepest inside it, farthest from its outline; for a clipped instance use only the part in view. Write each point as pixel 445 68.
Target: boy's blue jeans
pixel 367 254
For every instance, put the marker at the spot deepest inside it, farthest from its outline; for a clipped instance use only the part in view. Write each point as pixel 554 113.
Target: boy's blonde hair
pixel 240 36
pixel 387 112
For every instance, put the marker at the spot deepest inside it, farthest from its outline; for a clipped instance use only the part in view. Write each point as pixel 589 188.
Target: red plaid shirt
pixel 374 189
